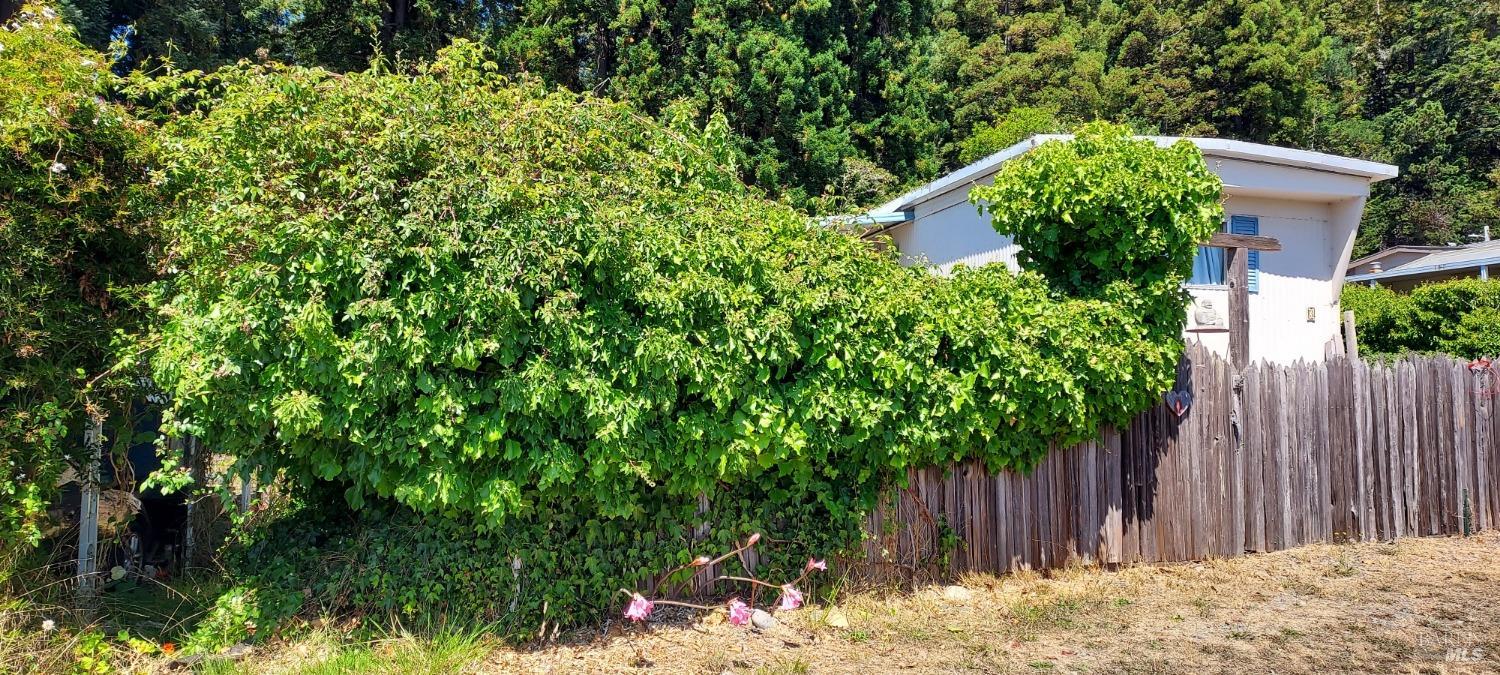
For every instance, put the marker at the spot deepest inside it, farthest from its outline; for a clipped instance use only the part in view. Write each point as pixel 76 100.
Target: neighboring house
pixel 1311 202
pixel 1403 268
pixel 1389 258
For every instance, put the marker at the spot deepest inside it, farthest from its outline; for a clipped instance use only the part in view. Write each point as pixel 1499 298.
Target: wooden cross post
pixel 1240 246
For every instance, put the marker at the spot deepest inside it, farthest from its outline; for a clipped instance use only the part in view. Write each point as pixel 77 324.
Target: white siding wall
pixel 949 231
pixel 1292 280
pixel 1315 236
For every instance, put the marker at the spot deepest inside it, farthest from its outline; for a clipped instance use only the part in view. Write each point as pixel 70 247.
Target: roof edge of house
pixel 1400 248
pixel 1222 147
pixel 1407 271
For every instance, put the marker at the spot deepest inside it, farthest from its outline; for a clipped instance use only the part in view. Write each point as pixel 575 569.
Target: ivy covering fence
pixel 476 297
pixel 540 313
pixel 499 339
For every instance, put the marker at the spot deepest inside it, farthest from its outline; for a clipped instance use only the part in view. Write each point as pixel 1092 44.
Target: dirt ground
pixel 1413 606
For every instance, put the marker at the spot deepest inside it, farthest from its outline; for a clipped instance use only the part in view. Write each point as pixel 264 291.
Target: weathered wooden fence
pixel 1282 456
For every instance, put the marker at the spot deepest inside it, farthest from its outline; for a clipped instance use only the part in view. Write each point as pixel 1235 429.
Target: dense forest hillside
pixel 836 103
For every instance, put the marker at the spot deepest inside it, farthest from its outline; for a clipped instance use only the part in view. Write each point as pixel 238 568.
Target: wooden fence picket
pixel 1268 458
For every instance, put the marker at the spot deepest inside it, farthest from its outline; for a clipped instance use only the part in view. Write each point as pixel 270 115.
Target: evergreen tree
pixel 834 104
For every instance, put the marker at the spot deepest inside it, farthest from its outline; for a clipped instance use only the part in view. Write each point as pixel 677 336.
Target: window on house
pixel 1210 266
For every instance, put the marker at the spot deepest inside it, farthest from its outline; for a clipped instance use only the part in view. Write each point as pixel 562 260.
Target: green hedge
pixel 515 310
pixel 477 297
pixel 1460 317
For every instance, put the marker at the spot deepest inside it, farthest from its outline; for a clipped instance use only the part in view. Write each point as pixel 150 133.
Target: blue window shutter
pixel 1249 225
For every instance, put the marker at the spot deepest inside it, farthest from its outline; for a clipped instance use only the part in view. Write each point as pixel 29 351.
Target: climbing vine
pixel 1106 207
pixel 70 161
pixel 486 300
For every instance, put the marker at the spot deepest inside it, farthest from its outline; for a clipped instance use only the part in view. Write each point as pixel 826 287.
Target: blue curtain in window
pixel 1208 267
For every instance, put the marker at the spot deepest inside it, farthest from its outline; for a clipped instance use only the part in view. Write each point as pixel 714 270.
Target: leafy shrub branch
pixel 1460 317
pixel 74 248
pixel 518 308
pixel 1107 208
pixel 476 297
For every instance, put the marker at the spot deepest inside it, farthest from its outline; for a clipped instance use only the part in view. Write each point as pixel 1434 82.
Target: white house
pixel 1310 201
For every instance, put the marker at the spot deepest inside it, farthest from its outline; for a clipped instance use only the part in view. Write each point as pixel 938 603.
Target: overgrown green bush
pixel 1384 320
pixel 1460 317
pixel 1107 208
pixel 315 557
pixel 545 317
pixel 69 160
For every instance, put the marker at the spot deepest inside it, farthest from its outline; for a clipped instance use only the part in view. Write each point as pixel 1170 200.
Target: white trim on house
pixel 1218 147
pixel 968 174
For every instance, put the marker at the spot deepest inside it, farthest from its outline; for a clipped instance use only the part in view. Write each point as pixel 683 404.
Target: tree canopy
pixel 833 104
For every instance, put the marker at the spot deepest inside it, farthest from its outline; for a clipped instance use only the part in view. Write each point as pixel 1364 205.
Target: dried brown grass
pixel 1416 605
pixel 1412 606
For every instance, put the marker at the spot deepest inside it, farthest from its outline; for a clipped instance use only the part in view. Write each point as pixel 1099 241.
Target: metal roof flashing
pixel 1211 147
pixel 1450 259
pixel 1382 253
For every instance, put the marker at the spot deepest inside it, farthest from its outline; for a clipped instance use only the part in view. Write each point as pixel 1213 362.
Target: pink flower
pixel 791 598
pixel 639 609
pixel 816 565
pixel 739 612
